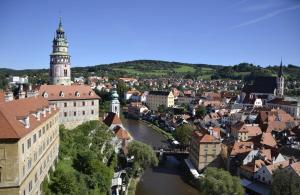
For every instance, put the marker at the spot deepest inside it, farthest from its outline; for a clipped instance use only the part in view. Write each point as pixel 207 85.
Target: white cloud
pixel 267 16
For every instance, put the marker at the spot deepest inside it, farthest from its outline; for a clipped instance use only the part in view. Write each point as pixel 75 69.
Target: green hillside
pixel 156 69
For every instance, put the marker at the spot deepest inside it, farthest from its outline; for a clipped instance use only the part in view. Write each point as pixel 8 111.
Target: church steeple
pixel 280 81
pixel 280 72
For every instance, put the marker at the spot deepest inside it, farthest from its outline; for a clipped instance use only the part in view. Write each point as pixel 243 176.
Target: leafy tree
pixel 144 155
pixel 218 181
pixel 63 182
pixel 161 108
pixel 283 183
pixel 200 111
pixel 183 133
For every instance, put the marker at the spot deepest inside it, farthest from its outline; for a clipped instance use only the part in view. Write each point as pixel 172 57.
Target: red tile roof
pixel 112 118
pixel 69 92
pixel 12 112
pixel 205 138
pixel 121 133
pixel 296 167
pixel 241 147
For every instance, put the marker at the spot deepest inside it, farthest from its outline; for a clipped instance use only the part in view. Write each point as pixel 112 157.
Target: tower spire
pixel 280 72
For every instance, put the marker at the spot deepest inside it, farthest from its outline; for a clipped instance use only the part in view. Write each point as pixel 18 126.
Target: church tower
pixel 280 82
pixel 115 104
pixel 60 68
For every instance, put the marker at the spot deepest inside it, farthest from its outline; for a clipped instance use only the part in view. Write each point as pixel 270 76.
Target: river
pixel 167 177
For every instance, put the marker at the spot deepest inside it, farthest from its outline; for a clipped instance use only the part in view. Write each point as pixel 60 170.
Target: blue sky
pixel 195 31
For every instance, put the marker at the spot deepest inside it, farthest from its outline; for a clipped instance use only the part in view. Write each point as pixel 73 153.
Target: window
pixel 29 143
pixel 40 133
pixel 35 156
pixel 30 186
pixel 65 73
pixel 43 130
pixel 74 104
pixel 65 114
pixel 92 111
pixel 23 148
pixel 92 103
pixel 83 103
pixel 35 177
pixel 29 164
pixel 65 104
pixel 34 138
pixel 83 112
pixel 74 113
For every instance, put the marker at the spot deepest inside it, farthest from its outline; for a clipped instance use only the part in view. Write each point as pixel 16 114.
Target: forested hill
pixel 155 68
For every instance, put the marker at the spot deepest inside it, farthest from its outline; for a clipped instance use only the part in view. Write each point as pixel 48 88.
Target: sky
pixel 223 32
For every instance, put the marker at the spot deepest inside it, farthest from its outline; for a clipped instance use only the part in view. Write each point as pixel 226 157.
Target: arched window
pixel 65 73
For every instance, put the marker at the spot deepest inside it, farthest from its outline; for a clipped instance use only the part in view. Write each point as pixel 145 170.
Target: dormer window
pixel 91 93
pixel 45 95
pixel 61 94
pixel 77 94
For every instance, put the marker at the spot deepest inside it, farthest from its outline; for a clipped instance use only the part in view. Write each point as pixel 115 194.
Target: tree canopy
pixel 144 155
pixel 85 165
pixel 183 133
pixel 283 183
pixel 218 181
pixel 200 111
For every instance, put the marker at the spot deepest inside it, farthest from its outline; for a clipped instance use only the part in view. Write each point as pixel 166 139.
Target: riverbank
pixel 166 135
pixel 132 185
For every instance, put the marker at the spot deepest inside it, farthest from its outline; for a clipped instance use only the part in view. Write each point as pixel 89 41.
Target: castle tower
pixel 60 68
pixel 115 104
pixel 280 81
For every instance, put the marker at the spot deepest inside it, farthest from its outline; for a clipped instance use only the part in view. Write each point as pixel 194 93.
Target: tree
pixel 283 183
pixel 183 133
pixel 201 111
pixel 218 181
pixel 161 108
pixel 63 182
pixel 144 155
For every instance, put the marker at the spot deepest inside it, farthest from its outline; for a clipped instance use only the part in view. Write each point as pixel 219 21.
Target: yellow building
pixel 157 98
pixel 204 149
pixel 29 142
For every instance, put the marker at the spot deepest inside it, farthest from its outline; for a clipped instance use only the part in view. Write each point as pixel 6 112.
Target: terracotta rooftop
pixel 253 166
pixel 2 96
pixel 275 166
pixel 13 112
pixel 121 133
pixel 112 118
pixel 205 138
pixel 296 167
pixel 63 92
pixel 251 129
pixel 241 147
pixel 268 139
